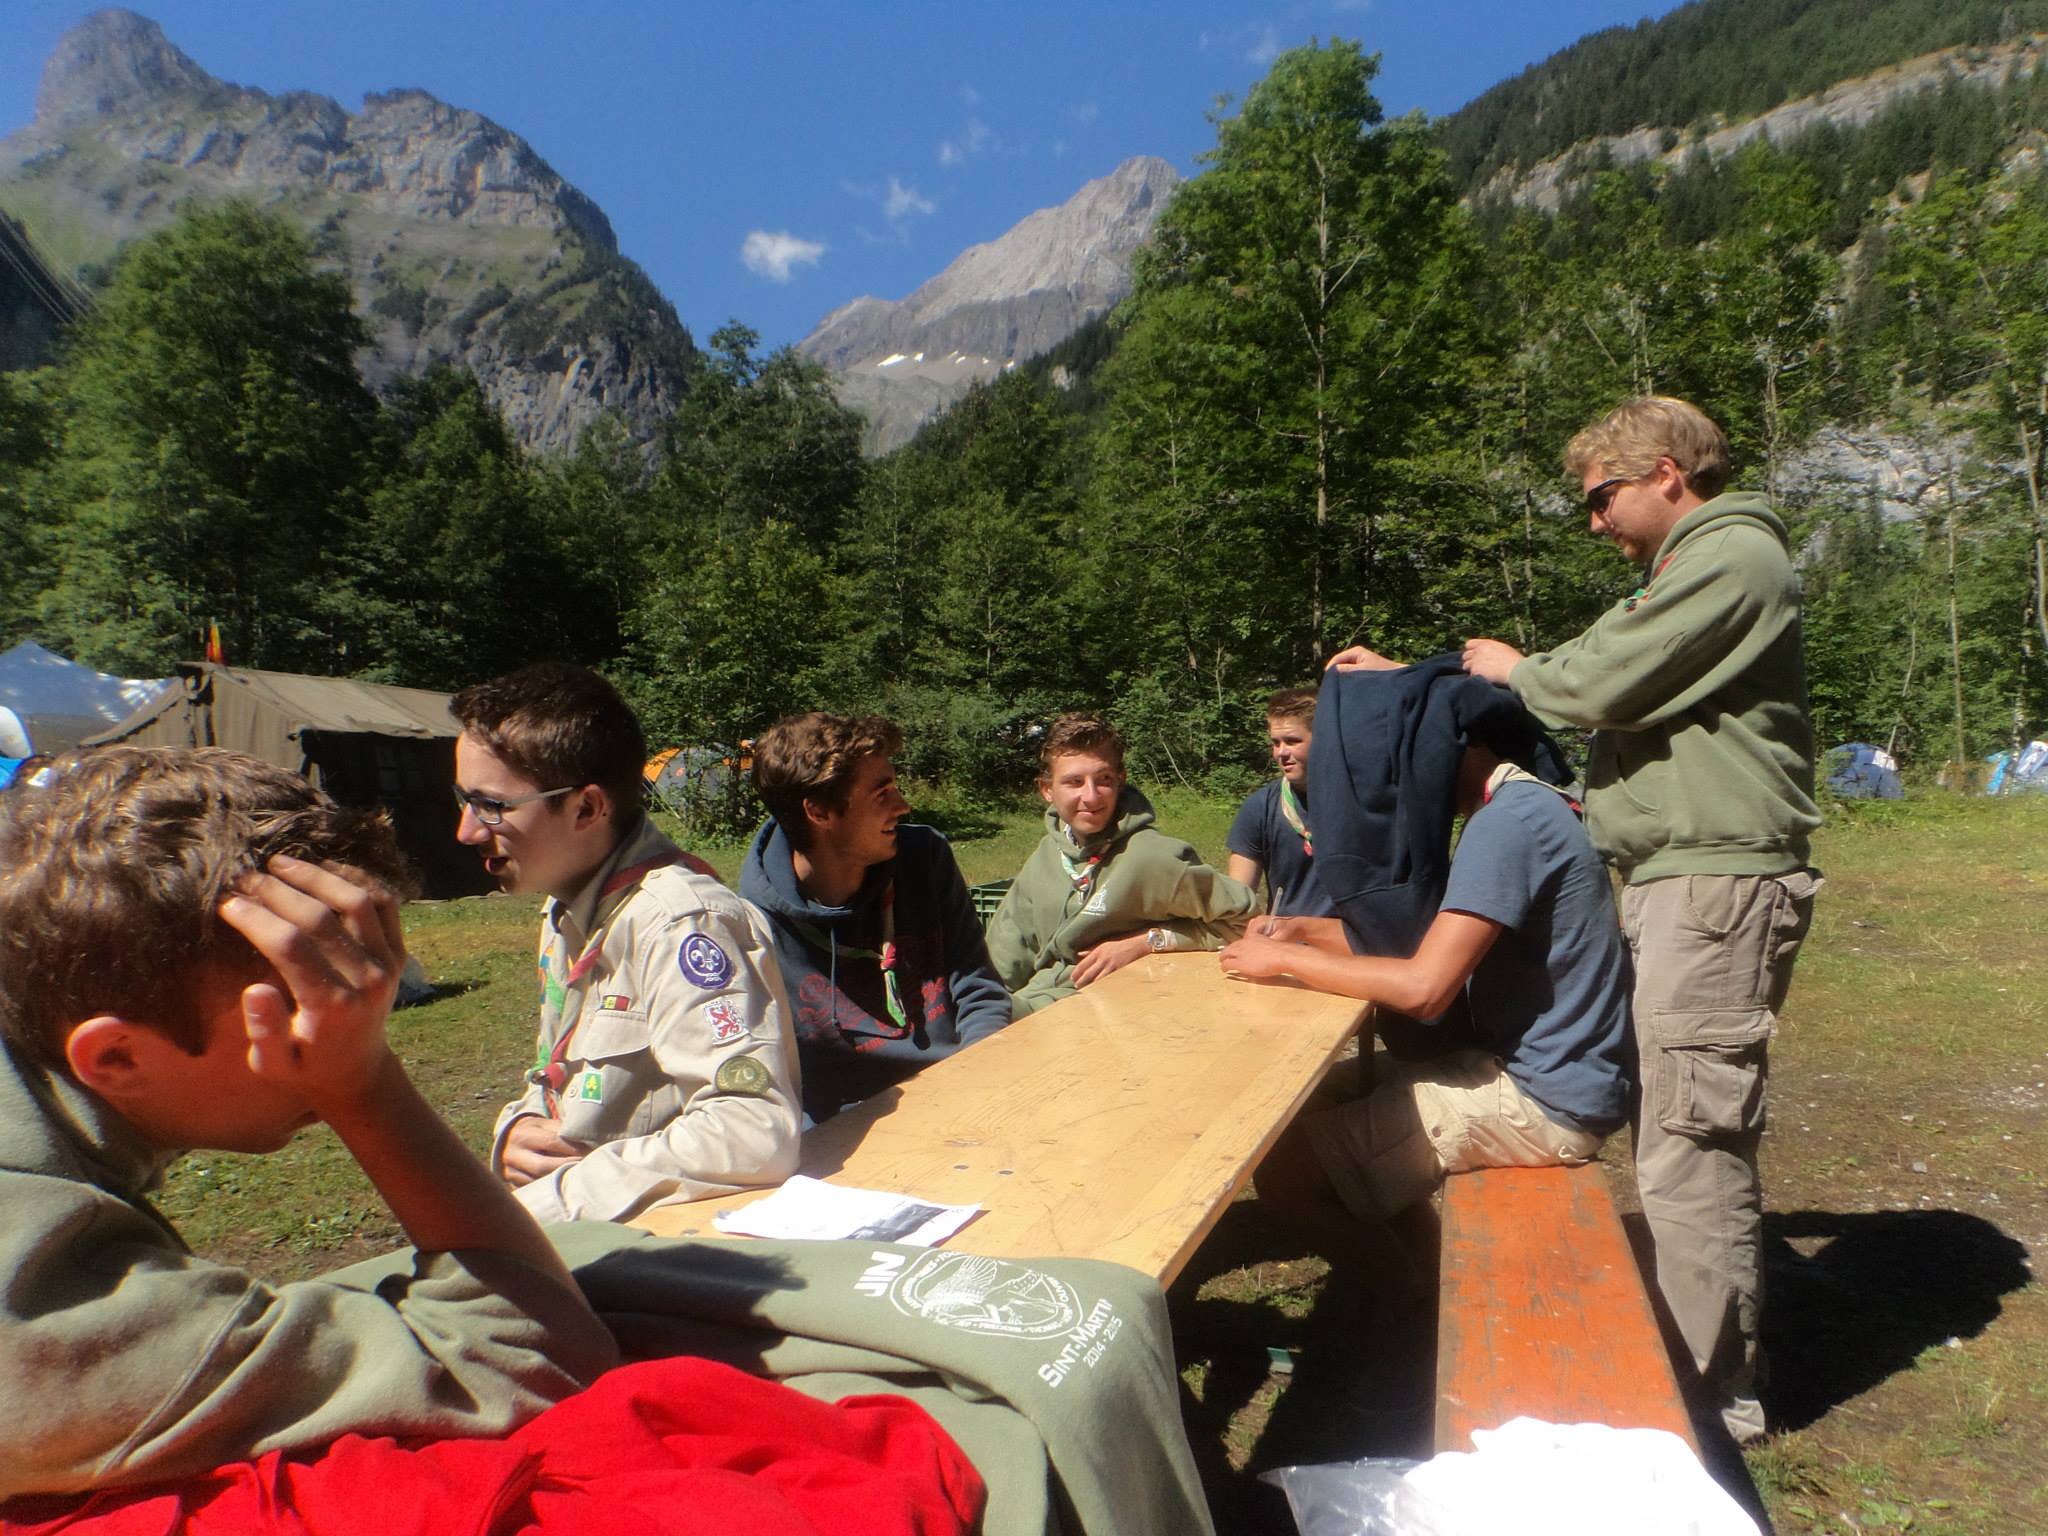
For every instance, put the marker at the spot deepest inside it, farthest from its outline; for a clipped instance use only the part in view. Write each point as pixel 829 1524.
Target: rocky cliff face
pixel 997 305
pixel 1847 104
pixel 461 242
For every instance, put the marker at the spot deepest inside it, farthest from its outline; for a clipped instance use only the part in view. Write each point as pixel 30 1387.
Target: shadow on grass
pixel 1851 1299
pixel 441 992
pixel 961 823
pixel 1362 1381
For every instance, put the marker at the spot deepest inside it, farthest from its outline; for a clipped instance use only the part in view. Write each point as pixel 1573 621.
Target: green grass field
pixel 1906 1170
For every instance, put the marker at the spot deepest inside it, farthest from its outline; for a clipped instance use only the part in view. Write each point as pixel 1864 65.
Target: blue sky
pixel 770 161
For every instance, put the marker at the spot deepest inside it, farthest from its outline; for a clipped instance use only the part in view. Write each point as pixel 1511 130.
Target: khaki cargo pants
pixel 1713 960
pixel 1387 1150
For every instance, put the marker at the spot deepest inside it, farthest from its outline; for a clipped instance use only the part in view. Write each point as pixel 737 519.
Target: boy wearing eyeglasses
pixel 664 1068
pixel 1700 791
pixel 873 924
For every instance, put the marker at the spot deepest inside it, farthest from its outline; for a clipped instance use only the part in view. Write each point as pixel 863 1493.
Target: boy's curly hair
pixel 111 874
pixel 812 757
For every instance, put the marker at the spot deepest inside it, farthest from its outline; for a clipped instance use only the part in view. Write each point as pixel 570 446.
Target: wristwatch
pixel 1158 940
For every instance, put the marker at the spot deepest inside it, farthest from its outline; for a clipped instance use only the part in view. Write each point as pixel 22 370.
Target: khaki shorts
pixel 1424 1119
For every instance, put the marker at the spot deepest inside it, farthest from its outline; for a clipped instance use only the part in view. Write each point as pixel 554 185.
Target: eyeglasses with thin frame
pixel 490 812
pixel 1601 497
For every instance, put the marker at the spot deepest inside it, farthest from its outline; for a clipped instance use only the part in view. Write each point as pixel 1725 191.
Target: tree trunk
pixel 1955 634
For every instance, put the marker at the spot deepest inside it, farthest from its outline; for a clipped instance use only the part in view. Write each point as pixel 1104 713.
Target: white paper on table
pixel 811 1208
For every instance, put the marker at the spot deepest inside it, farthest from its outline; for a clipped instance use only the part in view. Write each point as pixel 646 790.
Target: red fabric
pixel 670 1448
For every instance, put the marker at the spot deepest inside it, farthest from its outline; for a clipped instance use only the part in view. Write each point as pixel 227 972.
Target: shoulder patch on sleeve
pixel 703 962
pixel 742 1075
pixel 726 1021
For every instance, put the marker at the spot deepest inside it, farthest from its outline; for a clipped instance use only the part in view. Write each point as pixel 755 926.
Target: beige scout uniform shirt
pixel 665 1042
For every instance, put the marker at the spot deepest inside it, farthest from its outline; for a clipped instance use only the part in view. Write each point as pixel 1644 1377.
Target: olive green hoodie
pixel 1696 691
pixel 125 1359
pixel 1068 898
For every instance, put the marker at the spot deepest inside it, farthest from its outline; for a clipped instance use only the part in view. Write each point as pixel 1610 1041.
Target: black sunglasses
pixel 1601 497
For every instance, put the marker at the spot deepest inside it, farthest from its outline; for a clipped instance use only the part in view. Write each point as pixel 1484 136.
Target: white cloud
pixel 900 203
pixel 970 95
pixel 1256 43
pixel 971 140
pixel 775 255
pixel 1084 113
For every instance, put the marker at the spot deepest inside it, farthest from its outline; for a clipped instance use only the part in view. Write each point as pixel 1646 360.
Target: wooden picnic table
pixel 1115 1124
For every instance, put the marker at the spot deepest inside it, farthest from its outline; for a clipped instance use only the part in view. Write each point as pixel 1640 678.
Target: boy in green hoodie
pixel 198 949
pixel 1104 886
pixel 1700 791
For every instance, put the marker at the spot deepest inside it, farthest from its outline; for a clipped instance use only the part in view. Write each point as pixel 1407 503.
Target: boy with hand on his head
pixel 199 950
pixel 1104 885
pixel 665 1067
pixel 1272 837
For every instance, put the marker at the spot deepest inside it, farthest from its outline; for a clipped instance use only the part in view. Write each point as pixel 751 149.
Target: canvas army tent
pixel 364 743
pixel 59 703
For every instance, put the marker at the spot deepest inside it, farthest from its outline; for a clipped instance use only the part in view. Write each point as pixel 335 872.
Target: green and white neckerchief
pixel 1291 809
pixel 885 957
pixel 1082 866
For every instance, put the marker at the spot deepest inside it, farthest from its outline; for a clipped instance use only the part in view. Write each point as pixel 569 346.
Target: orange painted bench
pixel 1542 1311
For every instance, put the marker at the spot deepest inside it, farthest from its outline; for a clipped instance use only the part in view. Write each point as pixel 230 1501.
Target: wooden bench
pixel 1542 1311
pixel 1116 1124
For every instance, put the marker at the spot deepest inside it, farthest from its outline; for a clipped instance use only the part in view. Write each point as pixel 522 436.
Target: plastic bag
pixel 1362 1498
pixel 1534 1478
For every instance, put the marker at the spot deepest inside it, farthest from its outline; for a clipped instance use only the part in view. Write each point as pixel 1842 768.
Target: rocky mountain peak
pixel 462 244
pixel 996 305
pixel 114 63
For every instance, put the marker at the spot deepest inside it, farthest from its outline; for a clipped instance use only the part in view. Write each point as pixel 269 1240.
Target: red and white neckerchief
pixel 550 1068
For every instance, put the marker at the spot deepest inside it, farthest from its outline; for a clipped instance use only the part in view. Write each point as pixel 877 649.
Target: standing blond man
pixel 1700 791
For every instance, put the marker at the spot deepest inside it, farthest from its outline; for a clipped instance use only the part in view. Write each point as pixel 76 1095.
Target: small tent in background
pixel 364 743
pixel 58 703
pixel 2023 774
pixel 688 780
pixel 1858 771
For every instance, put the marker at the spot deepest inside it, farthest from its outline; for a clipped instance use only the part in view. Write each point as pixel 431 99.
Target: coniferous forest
pixel 1331 410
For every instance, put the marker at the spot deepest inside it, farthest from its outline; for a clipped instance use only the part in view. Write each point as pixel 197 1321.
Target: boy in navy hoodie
pixel 874 930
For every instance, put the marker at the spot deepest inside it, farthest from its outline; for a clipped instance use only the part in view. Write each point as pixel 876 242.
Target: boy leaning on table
pixel 1525 936
pixel 198 950
pixel 1104 885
